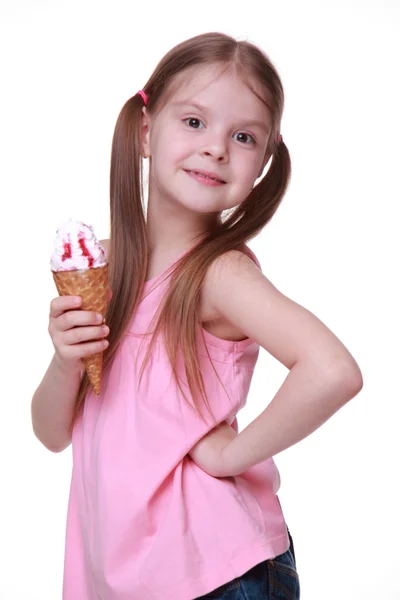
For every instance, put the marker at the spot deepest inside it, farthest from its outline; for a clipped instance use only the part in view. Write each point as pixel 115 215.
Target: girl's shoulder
pixel 211 319
pixel 246 250
pixel 241 261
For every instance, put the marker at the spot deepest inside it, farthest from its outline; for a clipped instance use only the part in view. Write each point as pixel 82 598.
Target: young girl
pixel 168 501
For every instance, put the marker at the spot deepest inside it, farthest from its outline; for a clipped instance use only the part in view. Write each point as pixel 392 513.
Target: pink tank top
pixel 144 521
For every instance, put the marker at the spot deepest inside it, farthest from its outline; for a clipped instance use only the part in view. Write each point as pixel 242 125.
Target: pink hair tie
pixel 144 96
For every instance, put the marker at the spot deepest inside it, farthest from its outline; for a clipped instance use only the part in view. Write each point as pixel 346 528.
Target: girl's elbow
pixel 349 377
pixel 53 445
pixel 356 384
pixel 354 376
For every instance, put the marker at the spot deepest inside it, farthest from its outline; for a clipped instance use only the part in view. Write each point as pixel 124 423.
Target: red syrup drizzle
pixel 67 250
pixel 85 252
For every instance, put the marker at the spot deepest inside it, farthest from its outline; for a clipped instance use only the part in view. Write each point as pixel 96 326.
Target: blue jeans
pixel 274 579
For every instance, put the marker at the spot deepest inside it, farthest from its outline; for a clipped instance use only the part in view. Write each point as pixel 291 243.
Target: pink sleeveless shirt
pixel 144 521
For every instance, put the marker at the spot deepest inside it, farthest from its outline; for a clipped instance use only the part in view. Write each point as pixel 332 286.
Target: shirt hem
pixel 238 566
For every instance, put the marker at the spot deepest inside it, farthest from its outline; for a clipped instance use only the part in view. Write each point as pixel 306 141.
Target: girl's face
pixel 207 145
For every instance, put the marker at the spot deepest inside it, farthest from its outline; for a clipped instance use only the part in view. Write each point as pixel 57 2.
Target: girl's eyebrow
pixel 203 109
pixel 187 103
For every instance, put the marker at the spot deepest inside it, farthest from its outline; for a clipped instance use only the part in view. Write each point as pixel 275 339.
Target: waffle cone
pixel 92 286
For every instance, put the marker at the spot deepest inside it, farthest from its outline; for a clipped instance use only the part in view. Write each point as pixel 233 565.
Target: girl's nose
pixel 217 148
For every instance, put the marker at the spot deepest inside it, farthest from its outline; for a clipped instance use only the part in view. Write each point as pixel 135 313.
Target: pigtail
pixel 128 254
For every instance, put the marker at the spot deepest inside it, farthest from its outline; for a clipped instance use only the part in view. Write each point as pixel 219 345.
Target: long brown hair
pixel 178 318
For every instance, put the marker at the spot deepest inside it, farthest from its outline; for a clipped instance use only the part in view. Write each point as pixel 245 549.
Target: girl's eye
pixel 245 138
pixel 192 122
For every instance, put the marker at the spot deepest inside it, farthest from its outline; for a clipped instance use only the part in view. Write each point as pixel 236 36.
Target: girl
pixel 168 501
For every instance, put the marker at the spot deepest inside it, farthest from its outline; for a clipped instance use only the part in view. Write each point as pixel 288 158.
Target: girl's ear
pixel 145 150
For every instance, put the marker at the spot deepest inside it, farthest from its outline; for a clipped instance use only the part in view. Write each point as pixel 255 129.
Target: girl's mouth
pixel 205 178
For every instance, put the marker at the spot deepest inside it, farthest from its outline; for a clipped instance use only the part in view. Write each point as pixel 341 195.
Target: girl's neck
pixel 172 229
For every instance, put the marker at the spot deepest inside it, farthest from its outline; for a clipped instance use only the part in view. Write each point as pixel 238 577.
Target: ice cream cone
pixel 92 285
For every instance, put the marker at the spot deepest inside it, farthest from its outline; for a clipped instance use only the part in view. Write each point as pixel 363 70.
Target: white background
pixel 67 69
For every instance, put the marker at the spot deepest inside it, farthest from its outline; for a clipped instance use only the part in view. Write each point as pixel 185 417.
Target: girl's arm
pixel 207 453
pixel 75 334
pixel 52 404
pixel 323 374
pixel 308 397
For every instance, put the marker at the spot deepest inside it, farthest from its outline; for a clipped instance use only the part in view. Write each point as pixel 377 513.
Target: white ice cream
pixel 76 247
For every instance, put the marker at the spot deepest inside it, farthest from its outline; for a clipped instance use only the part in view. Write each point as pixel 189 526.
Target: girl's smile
pixel 205 178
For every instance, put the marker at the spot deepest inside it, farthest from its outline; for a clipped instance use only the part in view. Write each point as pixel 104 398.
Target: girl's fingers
pixel 77 318
pixel 62 303
pixel 84 334
pixel 78 351
pixel 92 348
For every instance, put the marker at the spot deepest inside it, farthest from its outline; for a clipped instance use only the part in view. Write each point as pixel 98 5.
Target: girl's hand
pixel 75 333
pixel 208 452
